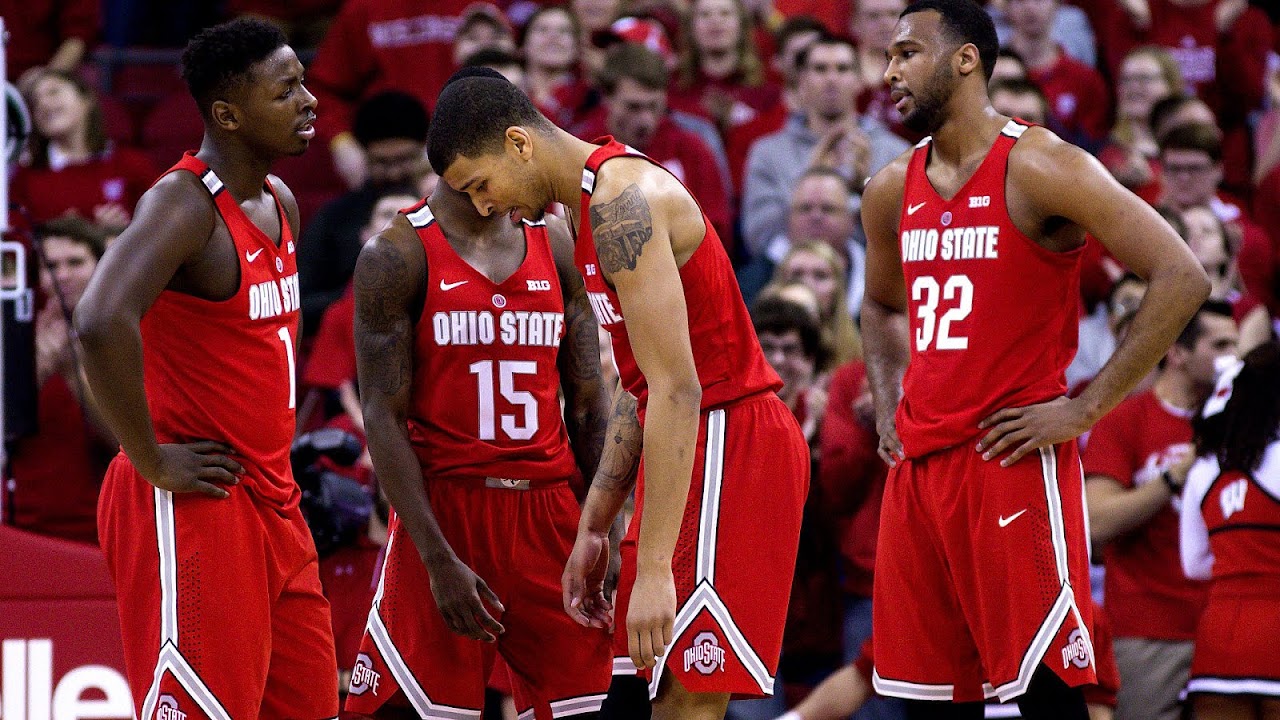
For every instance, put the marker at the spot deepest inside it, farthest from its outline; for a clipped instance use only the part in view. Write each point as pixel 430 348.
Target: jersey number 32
pixel 934 331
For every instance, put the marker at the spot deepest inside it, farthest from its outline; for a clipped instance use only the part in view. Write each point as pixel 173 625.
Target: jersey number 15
pixel 507 371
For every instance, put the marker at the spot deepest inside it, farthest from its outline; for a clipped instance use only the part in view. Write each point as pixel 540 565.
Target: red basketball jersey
pixel 726 352
pixel 1242 515
pixel 485 381
pixel 225 370
pixel 994 316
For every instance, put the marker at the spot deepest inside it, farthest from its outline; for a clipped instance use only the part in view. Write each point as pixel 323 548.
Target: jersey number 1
pixel 925 290
pixel 507 370
pixel 293 372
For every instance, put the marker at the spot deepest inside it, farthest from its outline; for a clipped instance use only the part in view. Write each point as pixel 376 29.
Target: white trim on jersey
pixel 712 481
pixel 1234 686
pixel 624 666
pixel 421 217
pixel 576 705
pixel 211 181
pixel 526 715
pixel 588 181
pixel 540 222
pixel 171 661
pixel 924 141
pixel 1013 129
pixel 705 596
pixel 910 690
pixel 167 542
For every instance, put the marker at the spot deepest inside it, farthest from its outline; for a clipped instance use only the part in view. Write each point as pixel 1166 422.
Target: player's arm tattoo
pixel 620 461
pixel 586 399
pixel 383 327
pixel 621 227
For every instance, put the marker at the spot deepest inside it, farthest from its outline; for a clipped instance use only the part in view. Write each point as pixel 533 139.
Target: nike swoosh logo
pixel 251 256
pixel 449 286
pixel 911 209
pixel 1004 521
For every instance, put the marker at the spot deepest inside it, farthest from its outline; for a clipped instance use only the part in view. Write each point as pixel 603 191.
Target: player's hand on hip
pixel 1030 428
pixel 461 596
pixel 890 446
pixel 583 583
pixel 651 617
pixel 199 467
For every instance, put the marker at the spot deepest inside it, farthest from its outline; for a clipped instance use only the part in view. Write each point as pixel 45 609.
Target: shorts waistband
pixel 503 483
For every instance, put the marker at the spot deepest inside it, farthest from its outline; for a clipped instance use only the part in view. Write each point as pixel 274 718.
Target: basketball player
pixel 215 570
pixel 702 600
pixel 974 240
pixel 1230 516
pixel 467 327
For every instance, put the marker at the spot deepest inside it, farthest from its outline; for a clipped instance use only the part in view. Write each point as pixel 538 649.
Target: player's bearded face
pixel 925 115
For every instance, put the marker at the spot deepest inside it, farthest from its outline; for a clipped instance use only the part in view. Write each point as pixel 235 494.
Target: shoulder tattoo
pixel 621 227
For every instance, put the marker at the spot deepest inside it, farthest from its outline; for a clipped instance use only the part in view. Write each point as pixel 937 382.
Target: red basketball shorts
pixel 517 541
pixel 221 609
pixel 736 553
pixel 1237 639
pixel 981 575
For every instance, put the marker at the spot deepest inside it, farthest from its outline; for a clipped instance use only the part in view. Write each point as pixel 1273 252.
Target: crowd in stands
pixel 775 115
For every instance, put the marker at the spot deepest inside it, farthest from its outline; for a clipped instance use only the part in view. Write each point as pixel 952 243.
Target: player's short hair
pixel 1200 137
pixel 220 57
pixel 965 21
pixel 779 316
pixel 796 25
pixel 390 115
pixel 473 113
pixel 76 229
pixel 1195 329
pixel 492 57
pixel 633 61
pixel 802 57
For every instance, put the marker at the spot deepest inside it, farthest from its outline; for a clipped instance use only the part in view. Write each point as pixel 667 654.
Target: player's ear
pixel 520 142
pixel 967 59
pixel 225 115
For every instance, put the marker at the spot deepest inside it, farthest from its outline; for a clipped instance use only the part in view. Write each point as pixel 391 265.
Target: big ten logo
pixel 363 677
pixel 28 692
pixel 538 285
pixel 704 654
pixel 1076 651
pixel 167 709
pixel 979 201
pixel 1231 499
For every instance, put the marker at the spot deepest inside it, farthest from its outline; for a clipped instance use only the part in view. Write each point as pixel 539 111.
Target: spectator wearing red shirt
pixel 377 45
pixel 1079 105
pixel 872 30
pixel 73 167
pixel 1148 75
pixel 634 84
pixel 550 42
pixel 811 646
pixel 1260 265
pixel 1135 462
pixel 54 34
pixel 1221 47
pixel 720 74
pixel 58 471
